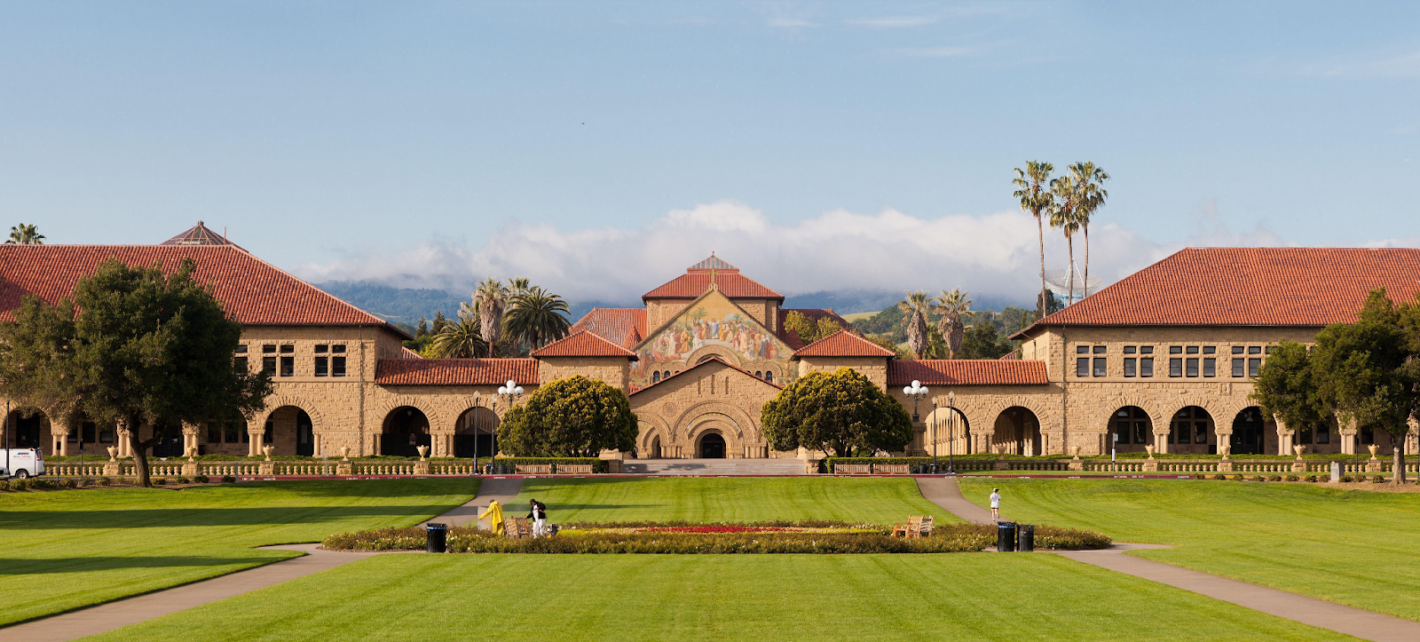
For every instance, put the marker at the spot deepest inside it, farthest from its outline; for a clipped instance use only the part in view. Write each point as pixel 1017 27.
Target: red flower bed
pixel 712 529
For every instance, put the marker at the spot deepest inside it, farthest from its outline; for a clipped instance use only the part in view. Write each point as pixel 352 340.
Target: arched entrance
pixel 290 431
pixel 1132 429
pixel 711 446
pixel 948 433
pixel 1192 432
pixel 1018 432
pixel 1249 430
pixel 405 429
pixel 654 451
pixel 477 433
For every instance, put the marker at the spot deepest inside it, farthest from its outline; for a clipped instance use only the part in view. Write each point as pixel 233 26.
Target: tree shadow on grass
pixel 46 566
pixel 181 517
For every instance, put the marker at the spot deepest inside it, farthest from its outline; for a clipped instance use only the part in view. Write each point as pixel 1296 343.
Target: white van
pixel 21 462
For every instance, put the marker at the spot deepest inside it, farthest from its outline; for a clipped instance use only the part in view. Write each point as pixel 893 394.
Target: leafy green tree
pixel 537 316
pixel 885 340
pixel 1047 305
pixel 836 413
pixel 1033 193
pixel 808 329
pixel 439 322
pixel 571 417
pixel 422 329
pixel 133 347
pixel 1368 373
pixel 1286 387
pixel 25 234
pixel 915 308
pixel 457 340
pixel 953 305
pixel 981 341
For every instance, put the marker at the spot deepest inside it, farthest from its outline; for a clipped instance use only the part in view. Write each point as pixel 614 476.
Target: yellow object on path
pixel 495 516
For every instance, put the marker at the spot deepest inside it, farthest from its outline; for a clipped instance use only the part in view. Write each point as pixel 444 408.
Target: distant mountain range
pixel 404 306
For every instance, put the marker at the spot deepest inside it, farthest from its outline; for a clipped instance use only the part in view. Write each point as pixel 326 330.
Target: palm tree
pixel 25 234
pixel 952 305
pixel 518 285
pixel 537 316
pixel 488 302
pixel 461 340
pixel 1062 215
pixel 1087 182
pixel 916 307
pixel 1033 192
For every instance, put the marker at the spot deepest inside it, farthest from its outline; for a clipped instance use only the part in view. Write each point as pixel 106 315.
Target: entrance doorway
pixel 406 428
pixel 477 433
pixel 712 446
pixel 1248 430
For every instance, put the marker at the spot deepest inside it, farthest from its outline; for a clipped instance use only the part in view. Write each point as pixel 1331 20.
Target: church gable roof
pixel 713 360
pixel 843 344
pixel 252 291
pixel 582 344
pixel 698 278
pixel 713 298
pixel 622 326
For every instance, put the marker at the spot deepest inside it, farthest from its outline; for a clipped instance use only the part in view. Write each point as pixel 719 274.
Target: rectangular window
pixel 1237 349
pixel 1323 433
pixel 1146 367
pixel 1254 349
pixel 1175 367
pixel 1304 434
pixel 242 348
pixel 322 349
pixel 288 349
pixel 1175 349
pixel 1082 349
pixel 338 349
pixel 1101 349
pixel 233 433
pixel 89 432
pixel 337 366
pixel 1183 428
pixel 1271 349
pixel 1140 433
pixel 322 366
pixel 1210 350
pixel 1210 367
pixel 288 366
pixel 1192 366
pixel 106 436
pixel 240 364
pixel 214 433
pixel 1192 350
pixel 1200 432
pixel 1082 367
pixel 1131 367
pixel 268 349
pixel 73 437
pixel 1100 368
pixel 1253 365
pixel 1146 349
pixel 1130 349
pixel 268 365
pixel 1238 364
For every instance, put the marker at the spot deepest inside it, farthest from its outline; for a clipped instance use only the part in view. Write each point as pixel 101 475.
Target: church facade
pixel 1163 358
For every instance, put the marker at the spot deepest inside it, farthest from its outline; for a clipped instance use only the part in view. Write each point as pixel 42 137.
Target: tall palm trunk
pixel 1040 234
pixel 1070 243
pixel 1086 284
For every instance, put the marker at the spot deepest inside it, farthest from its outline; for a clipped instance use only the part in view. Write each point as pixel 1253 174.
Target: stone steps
pixel 713 467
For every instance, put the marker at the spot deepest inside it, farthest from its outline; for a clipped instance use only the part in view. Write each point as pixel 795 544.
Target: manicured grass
pixel 1352 547
pixel 68 549
pixel 965 596
pixel 729 499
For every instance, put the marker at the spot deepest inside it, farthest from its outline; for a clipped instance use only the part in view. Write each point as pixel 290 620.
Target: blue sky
pixel 602 147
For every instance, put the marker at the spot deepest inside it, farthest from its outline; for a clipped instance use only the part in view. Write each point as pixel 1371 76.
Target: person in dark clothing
pixel 538 515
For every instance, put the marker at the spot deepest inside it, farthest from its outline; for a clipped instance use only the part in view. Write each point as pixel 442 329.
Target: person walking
pixel 996 504
pixel 538 515
pixel 494 515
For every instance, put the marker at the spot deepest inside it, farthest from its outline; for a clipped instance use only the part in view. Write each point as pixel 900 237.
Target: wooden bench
pixel 534 469
pixel 517 527
pixel 913 527
pixel 574 469
pixel 891 469
pixel 852 469
pixel 923 529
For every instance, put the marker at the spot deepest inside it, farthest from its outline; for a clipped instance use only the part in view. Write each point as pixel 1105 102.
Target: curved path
pixel 1361 623
pixel 112 615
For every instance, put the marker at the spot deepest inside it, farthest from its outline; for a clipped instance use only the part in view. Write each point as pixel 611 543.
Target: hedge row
pixel 1376 479
pixel 508 465
pixel 65 483
pixel 956 538
pixel 780 523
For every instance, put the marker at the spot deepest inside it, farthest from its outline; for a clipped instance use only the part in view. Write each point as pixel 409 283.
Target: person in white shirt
pixel 538 515
pixel 995 503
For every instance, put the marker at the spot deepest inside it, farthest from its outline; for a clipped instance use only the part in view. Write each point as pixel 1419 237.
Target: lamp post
pixel 952 438
pixel 510 394
pixel 916 392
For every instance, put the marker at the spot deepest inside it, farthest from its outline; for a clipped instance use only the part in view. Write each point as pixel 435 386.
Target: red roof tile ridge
pixel 602 344
pixel 822 346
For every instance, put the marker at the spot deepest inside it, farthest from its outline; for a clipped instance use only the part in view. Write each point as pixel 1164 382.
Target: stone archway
pixel 1131 428
pixel 1017 432
pixel 740 430
pixel 1192 431
pixel 476 433
pixel 710 445
pixel 727 437
pixel 404 429
pixel 289 430
pixel 948 432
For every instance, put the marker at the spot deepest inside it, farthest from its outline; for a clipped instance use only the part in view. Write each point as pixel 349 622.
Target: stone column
pixel 1284 437
pixel 255 430
pixel 1161 441
pixel 189 437
pixel 125 448
pixel 1348 430
pixel 59 432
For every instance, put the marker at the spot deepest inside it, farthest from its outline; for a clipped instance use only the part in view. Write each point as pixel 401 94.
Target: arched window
pixel 758 374
pixel 656 377
pixel 769 376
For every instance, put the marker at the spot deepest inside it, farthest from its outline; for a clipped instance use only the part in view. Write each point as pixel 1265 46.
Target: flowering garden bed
pixel 680 538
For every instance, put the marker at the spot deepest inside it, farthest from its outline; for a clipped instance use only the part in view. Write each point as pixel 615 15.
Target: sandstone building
pixel 1164 357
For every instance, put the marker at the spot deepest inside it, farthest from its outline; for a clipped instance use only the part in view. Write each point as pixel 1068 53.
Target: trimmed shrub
pixel 18 484
pixel 1237 478
pixel 201 479
pixel 104 481
pixel 1292 478
pixel 1220 477
pixel 1274 478
pixel 180 480
pixel 42 483
pixel 4 484
pixel 228 479
pixel 1311 478
pixel 68 483
pixel 1378 479
pixel 1347 479
pixel 160 481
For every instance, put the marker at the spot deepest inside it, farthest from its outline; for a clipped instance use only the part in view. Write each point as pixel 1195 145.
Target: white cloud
pixel 992 255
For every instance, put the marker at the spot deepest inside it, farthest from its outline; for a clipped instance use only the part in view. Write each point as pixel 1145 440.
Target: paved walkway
pixel 112 615
pixel 503 489
pixel 1307 610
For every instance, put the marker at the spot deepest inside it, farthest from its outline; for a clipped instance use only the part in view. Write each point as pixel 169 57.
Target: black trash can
pixel 1005 537
pixel 438 538
pixel 1025 538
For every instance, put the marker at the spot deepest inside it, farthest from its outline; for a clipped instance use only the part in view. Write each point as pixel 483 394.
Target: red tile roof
pixel 252 291
pixel 709 360
pixel 843 344
pixel 582 344
pixel 455 372
pixel 966 372
pixel 697 279
pixel 616 325
pixel 1249 287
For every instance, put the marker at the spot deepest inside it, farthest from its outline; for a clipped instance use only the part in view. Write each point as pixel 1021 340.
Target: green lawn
pixel 1352 547
pixel 729 499
pixel 64 550
pixel 967 596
